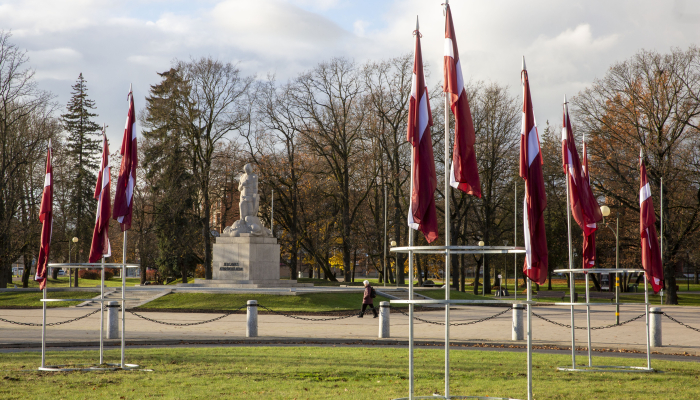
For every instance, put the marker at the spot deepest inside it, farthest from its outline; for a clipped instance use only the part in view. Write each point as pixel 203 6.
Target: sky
pixel 567 44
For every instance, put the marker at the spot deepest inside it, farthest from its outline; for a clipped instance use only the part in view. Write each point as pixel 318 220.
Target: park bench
pixel 602 295
pixel 549 294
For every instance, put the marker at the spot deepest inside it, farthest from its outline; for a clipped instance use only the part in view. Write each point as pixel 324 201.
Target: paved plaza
pixel 497 331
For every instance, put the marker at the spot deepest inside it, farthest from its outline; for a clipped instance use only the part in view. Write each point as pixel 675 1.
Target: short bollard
pixel 518 327
pixel 655 314
pixel 251 329
pixel 112 320
pixel 384 313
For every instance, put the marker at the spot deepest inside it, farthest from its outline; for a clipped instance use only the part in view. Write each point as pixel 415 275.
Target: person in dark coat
pixel 367 300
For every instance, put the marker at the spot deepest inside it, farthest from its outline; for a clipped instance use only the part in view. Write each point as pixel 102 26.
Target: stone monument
pixel 246 255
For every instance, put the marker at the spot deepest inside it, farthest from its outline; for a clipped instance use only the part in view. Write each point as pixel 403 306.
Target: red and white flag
pixel 421 213
pixel 46 218
pixel 100 236
pixel 651 252
pixel 588 235
pixel 124 194
pixel 464 172
pixel 536 259
pixel 584 206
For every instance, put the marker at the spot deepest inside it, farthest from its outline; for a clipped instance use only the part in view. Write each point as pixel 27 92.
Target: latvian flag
pixel 124 194
pixel 589 233
pixel 535 200
pixel 584 206
pixel 46 218
pixel 651 253
pixel 464 173
pixel 100 236
pixel 421 213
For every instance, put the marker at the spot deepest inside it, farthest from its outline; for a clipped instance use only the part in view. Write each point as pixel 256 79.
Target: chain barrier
pixel 352 314
pixel 583 327
pixel 186 323
pixel 51 324
pixel 458 324
pixel 680 323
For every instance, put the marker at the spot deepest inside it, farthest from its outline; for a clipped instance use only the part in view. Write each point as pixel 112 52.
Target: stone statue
pixel 248 204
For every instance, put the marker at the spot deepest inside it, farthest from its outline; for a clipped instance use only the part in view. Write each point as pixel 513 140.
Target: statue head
pixel 248 168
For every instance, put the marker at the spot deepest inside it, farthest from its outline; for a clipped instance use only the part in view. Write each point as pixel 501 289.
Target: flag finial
pixel 524 69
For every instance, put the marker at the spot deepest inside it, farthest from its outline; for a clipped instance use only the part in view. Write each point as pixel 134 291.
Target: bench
pixel 602 295
pixel 542 294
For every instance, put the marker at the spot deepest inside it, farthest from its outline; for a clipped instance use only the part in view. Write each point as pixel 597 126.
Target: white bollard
pixel 655 314
pixel 251 329
pixel 112 320
pixel 384 313
pixel 518 327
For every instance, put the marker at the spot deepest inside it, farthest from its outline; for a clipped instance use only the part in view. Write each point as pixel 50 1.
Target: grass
pixel 308 302
pixel 332 372
pixel 62 281
pixel 31 299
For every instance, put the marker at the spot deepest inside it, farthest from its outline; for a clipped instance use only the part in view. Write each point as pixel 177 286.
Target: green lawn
pixel 62 281
pixel 333 372
pixel 31 299
pixel 309 302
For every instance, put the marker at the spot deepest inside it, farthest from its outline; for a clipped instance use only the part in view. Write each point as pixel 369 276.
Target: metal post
pixel 529 340
pixel 515 238
pixel 384 320
pixel 386 266
pixel 646 310
pixel 102 311
pixel 655 326
pixel 518 331
pixel 617 266
pixel 112 323
pixel 410 316
pixel 272 212
pixel 123 301
pixel 571 274
pixel 43 332
pixel 251 328
pixel 588 321
pixel 662 221
pixel 447 252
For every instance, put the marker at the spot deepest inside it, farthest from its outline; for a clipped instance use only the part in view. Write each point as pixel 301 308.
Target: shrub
pixel 94 274
pixel 199 271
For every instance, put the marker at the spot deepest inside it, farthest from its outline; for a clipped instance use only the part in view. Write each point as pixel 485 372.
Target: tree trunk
pixel 549 279
pixel 25 277
pixel 477 270
pixel 462 267
pixel 487 276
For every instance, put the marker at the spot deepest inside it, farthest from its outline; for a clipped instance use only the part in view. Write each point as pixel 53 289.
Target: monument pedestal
pixel 246 261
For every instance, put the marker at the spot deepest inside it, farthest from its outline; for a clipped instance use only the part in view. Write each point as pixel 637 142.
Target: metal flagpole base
pixel 101 367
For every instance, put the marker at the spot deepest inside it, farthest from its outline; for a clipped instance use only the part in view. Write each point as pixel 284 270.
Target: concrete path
pixel 676 339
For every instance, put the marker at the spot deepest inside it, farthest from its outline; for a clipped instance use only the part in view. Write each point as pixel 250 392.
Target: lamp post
pixel 606 211
pixel 70 270
pixel 393 244
pixel 483 264
pixel 505 272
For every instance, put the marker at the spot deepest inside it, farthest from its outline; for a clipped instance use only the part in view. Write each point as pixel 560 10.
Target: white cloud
pixel 359 27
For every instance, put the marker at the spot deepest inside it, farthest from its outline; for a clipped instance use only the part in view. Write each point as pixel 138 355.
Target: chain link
pixel 680 323
pixel 51 324
pixel 458 324
pixel 352 314
pixel 186 323
pixel 583 327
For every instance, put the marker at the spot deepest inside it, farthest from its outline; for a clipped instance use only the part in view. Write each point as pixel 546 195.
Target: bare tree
pixel 649 102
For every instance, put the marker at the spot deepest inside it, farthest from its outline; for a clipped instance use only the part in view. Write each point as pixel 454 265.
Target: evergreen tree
pixel 83 150
pixel 169 168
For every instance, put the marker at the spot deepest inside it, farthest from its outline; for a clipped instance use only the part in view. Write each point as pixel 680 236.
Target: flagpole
pixel 43 327
pixel 515 239
pixel 410 315
pixel 571 260
pixel 123 297
pixel 102 311
pixel 529 340
pixel 272 212
pixel 447 243
pixel 662 222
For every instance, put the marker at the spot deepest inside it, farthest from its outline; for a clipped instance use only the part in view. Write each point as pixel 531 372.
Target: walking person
pixel 368 300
